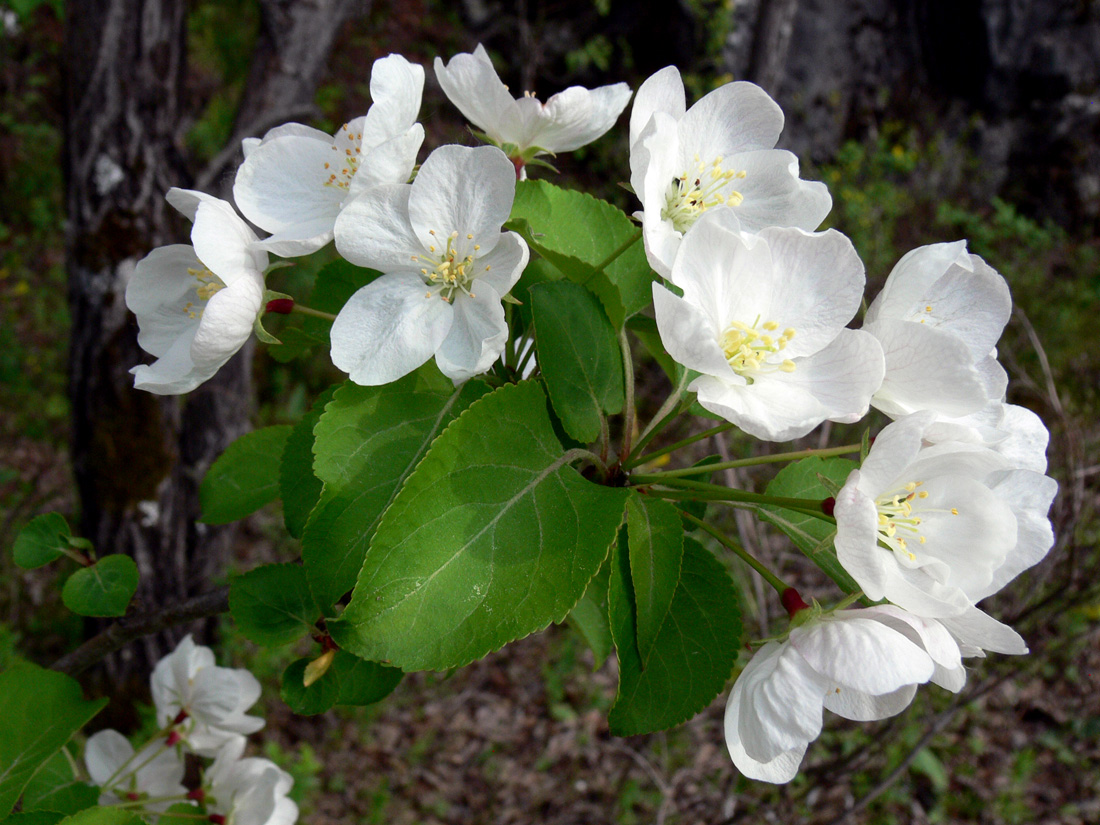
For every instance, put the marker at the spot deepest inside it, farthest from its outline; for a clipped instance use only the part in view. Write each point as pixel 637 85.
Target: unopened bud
pixel 198 794
pixel 282 306
pixel 828 506
pixel 792 601
pixel 173 739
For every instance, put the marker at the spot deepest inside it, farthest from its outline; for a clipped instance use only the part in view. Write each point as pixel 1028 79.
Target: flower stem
pixel 669 410
pixel 716 492
pixel 768 576
pixel 749 462
pixel 645 459
pixel 628 379
pixel 316 313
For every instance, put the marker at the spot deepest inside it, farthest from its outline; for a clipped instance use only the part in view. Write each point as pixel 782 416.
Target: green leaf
pixel 363 682
pixel 273 605
pixel 579 355
pixel 349 680
pixel 103 816
pixel 693 654
pixel 492 537
pixel 367 442
pixel 181 813
pixel 656 542
pixel 41 710
pixel 299 488
pixel 578 234
pixel 245 477
pixel 43 540
pixel 309 701
pixel 589 617
pixel 55 787
pixel 813 536
pixel 104 589
pixel 38 817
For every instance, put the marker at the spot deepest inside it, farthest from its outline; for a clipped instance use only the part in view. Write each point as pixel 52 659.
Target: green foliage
pixel 245 477
pixel 656 545
pixel 56 787
pixel 299 488
pixel 368 441
pixel 589 617
pixel 589 240
pixel 700 636
pixel 492 537
pixel 42 710
pixel 102 589
pixel 347 681
pixel 273 605
pixel 579 357
pixel 103 816
pixel 812 535
pixel 43 540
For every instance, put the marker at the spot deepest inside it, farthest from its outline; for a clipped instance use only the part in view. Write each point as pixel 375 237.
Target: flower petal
pixel 374 231
pixel 388 328
pixel 662 91
pixel 473 86
pixel 477 336
pixel 735 117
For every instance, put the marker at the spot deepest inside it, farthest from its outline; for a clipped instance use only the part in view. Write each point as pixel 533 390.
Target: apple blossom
pixel 860 664
pixel 155 771
pixel 446 266
pixel 196 305
pixel 211 700
pixel 1015 432
pixel 525 128
pixel 248 791
pixel 935 529
pixel 295 181
pixel 717 154
pixel 938 318
pixel 762 318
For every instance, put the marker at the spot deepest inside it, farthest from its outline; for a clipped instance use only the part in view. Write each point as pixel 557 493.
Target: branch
pixel 129 628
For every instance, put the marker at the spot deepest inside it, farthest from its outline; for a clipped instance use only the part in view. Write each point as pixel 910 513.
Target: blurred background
pixel 930 120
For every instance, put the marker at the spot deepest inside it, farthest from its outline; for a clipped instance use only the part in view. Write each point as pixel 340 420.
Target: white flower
pixel 296 180
pixel 196 305
pixel 763 319
pixel 717 154
pixel 247 791
pixel 935 529
pixel 446 266
pixel 938 319
pixel 860 664
pixel 123 776
pixel 212 700
pixel 567 121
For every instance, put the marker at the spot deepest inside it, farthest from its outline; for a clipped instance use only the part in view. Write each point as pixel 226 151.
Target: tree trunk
pixel 138 458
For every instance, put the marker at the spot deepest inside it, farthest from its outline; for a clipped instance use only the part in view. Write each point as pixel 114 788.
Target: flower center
pixel 346 163
pixel 208 285
pixel 899 522
pixel 747 349
pixel 449 273
pixel 695 191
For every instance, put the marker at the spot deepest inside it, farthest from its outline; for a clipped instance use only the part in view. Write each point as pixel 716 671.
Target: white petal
pixel 396 88
pixel 389 162
pixel 224 243
pixel 781 768
pixel 174 373
pixel 389 328
pixel 504 265
pixel 773 193
pixel 661 92
pixel 895 448
pixel 863 707
pixel 472 85
pixel 926 369
pixel 689 335
pixel 857 652
pixel 977 628
pixel 735 117
pixel 856 540
pixel 283 184
pixel 158 292
pixel 477 336
pixel 106 752
pixel 227 322
pixel 374 231
pixel 577 116
pixel 464 190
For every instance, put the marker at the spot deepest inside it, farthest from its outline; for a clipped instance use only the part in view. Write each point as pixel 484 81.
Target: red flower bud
pixel 282 306
pixel 792 601
pixel 828 506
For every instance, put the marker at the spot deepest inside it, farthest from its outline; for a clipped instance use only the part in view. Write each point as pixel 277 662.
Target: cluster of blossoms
pixel 200 709
pixel 949 506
